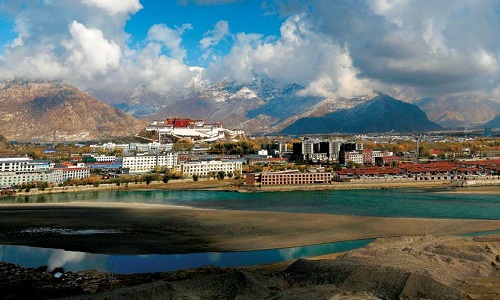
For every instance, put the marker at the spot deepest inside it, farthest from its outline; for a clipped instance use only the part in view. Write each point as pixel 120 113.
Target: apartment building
pixel 23 164
pixel 74 172
pixel 18 170
pixel 143 163
pixel 8 179
pixel 294 177
pixel 203 168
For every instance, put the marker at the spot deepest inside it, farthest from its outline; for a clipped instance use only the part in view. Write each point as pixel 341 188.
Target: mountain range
pixel 261 106
pixel 460 111
pixel 37 109
pixel 265 105
pixel 380 114
pixel 495 123
pixel 44 110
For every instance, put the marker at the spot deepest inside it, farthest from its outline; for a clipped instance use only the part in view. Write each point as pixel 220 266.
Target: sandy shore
pixel 144 228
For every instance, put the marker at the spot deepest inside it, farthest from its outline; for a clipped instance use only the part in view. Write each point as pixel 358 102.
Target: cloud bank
pixel 345 48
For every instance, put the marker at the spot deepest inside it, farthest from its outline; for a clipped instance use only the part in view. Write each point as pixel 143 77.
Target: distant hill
pixel 495 123
pixel 4 143
pixel 460 111
pixel 35 110
pixel 381 114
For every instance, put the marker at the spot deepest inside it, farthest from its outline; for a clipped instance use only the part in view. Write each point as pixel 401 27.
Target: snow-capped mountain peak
pixel 243 93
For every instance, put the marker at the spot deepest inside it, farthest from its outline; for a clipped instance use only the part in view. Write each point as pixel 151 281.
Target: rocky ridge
pixel 42 110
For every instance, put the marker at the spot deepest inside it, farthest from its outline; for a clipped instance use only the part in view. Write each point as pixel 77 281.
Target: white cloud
pixel 426 46
pixel 431 46
pixel 149 68
pixel 85 43
pixel 213 37
pixel 299 56
pixel 90 53
pixel 114 7
pixel 171 38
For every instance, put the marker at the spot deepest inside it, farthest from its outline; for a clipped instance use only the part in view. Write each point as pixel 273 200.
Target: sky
pixel 345 48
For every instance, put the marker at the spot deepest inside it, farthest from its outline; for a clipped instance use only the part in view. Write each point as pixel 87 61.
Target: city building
pixel 143 163
pixel 24 170
pixel 79 171
pixel 18 178
pixel 193 129
pixel 303 150
pixel 331 148
pixel 23 164
pixel 126 149
pixel 387 161
pixel 204 168
pixel 292 177
pixel 351 156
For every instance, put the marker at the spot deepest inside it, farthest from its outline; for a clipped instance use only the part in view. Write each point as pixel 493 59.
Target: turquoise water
pixel 126 264
pixel 390 203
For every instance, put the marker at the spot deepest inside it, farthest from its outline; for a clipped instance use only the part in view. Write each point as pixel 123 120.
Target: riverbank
pixel 237 186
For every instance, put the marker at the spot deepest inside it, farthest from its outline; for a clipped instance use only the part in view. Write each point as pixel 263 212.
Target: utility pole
pixel 418 149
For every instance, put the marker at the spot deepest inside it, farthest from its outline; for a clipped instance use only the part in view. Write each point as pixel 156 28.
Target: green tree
pixel 148 179
pixel 336 167
pixel 166 178
pixel 42 185
pixel 351 165
pixel 221 175
pixel 195 177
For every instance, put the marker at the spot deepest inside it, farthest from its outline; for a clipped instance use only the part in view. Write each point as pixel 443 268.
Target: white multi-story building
pixel 153 147
pixel 377 153
pixel 8 179
pixel 354 156
pixel 101 158
pixel 74 172
pixel 23 170
pixel 22 164
pixel 147 162
pixel 203 168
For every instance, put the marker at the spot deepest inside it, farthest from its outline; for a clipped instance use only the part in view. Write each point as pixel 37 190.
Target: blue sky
pixel 407 48
pixel 242 16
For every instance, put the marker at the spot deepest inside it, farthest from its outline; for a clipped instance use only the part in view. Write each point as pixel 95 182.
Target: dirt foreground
pixel 418 267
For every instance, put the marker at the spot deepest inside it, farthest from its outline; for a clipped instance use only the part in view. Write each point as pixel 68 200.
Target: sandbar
pixel 148 228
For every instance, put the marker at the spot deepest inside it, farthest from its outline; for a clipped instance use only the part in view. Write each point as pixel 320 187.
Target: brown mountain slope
pixel 34 110
pixel 460 111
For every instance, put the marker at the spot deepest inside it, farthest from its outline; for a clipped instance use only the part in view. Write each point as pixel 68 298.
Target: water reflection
pixel 388 203
pixel 126 264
